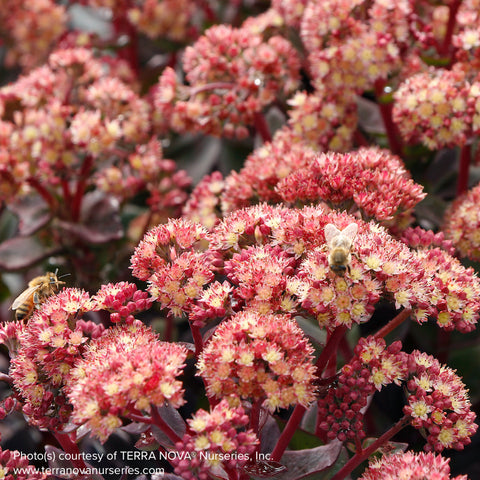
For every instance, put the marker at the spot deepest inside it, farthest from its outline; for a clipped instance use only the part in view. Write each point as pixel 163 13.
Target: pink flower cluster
pixel 373 366
pixel 258 357
pixel 122 299
pixel 72 119
pixel 372 180
pixel 462 224
pixel 221 437
pixel 438 403
pixel 30 28
pixel 172 259
pixel 410 466
pixel 50 345
pixel 126 370
pixel 232 75
pixel 435 108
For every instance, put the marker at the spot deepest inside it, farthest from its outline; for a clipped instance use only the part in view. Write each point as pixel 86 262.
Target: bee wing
pixel 350 231
pixel 24 296
pixel 331 231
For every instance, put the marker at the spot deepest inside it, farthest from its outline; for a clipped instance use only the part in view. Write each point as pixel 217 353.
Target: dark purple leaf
pixel 301 463
pixel 22 252
pixel 269 434
pixel 175 421
pixel 369 117
pixel 99 220
pixel 135 428
pixel 265 468
pixel 32 212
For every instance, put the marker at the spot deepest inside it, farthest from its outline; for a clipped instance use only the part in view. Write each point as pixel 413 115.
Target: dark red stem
pixel 288 431
pixel 386 112
pixel 69 446
pixel 255 415
pixel 262 127
pixel 464 170
pixel 81 185
pixel 197 339
pixel 128 52
pixel 46 195
pixel 452 20
pixel 361 456
pixel 394 323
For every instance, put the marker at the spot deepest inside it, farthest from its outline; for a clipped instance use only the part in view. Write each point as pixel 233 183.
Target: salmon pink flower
pixel 127 370
pixel 438 403
pixel 410 466
pixel 259 357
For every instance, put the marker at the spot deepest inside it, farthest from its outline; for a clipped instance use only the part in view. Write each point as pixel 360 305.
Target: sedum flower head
pixel 122 300
pixel 52 342
pixel 14 466
pixel 259 357
pixel 374 180
pixel 127 369
pixel 437 402
pixel 30 29
pixel 410 466
pixel 217 442
pixel 430 108
pixel 233 73
pixel 456 290
pixel 325 120
pixel 203 205
pixel 172 259
pixel 462 224
pixel 373 366
pixel 346 49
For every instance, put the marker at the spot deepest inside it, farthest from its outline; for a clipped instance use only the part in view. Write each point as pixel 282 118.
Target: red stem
pixel 81 185
pixel 47 196
pixel 287 434
pixel 262 127
pixel 464 170
pixel 164 426
pixel 69 446
pixel 386 112
pixel 329 349
pixel 361 456
pixel 128 52
pixel 394 323
pixel 197 339
pixel 255 415
pixel 297 414
pixel 452 20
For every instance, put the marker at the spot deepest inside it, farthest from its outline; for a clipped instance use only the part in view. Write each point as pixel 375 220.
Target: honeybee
pixel 39 289
pixel 340 243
